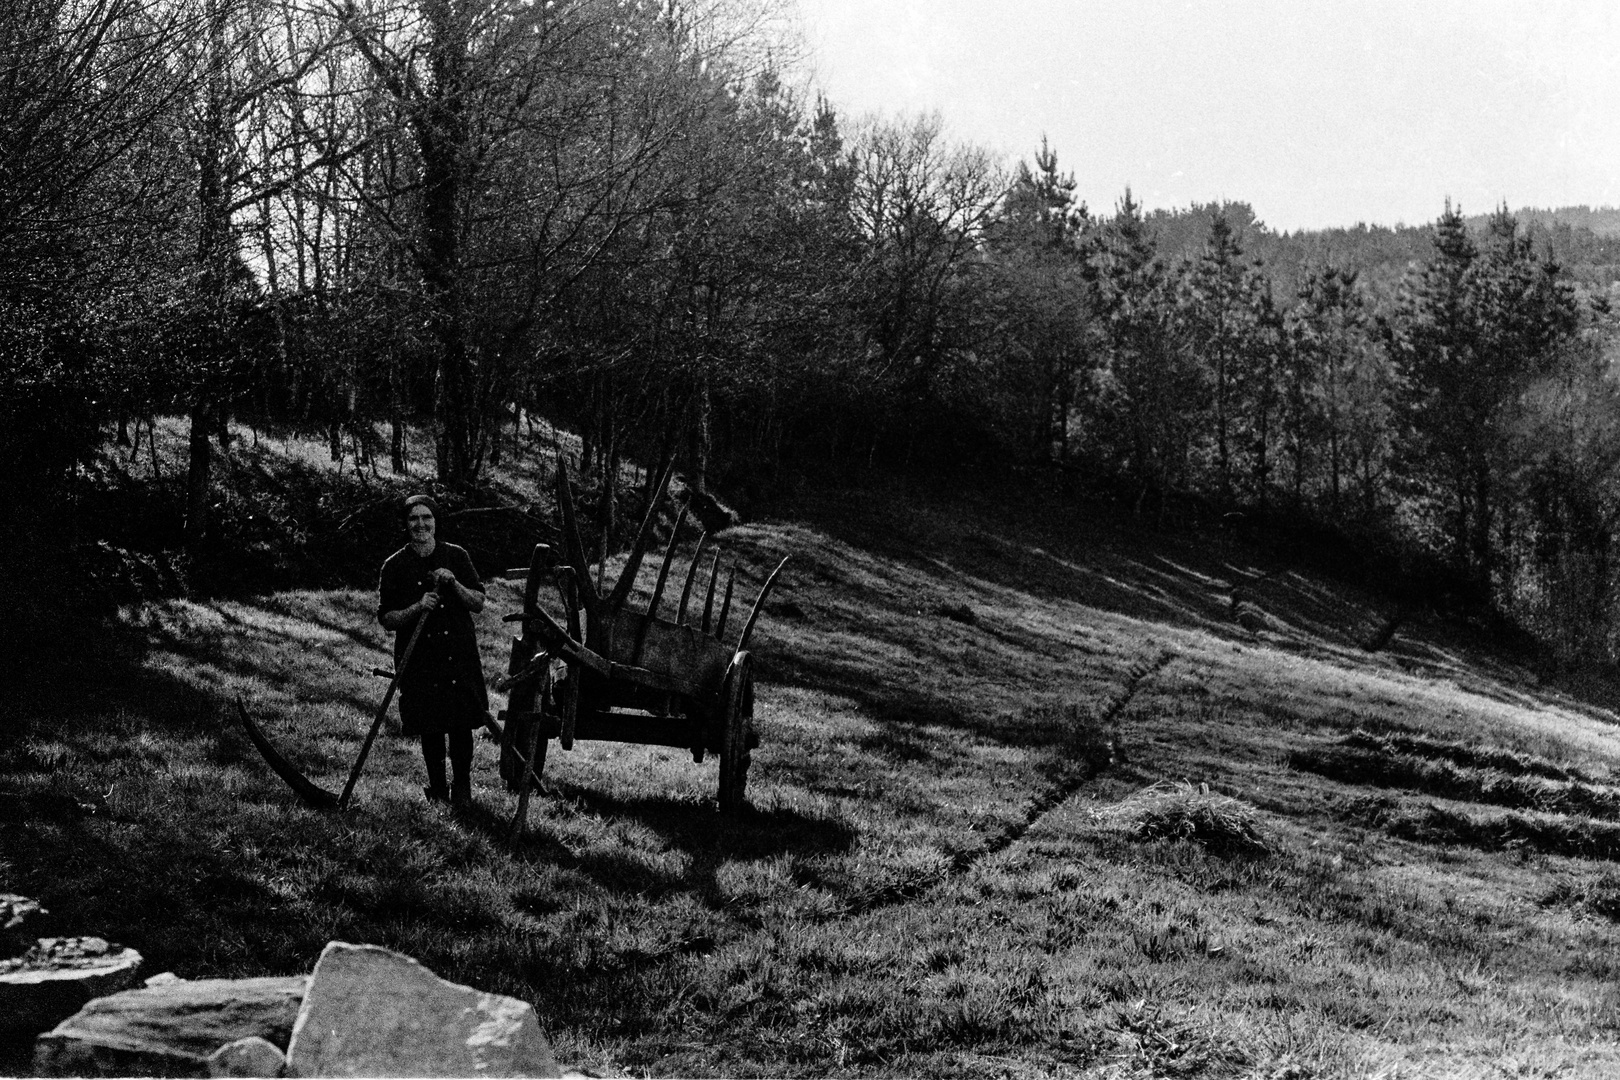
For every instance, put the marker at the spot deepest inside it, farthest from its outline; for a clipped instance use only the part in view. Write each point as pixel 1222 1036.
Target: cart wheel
pixel 737 735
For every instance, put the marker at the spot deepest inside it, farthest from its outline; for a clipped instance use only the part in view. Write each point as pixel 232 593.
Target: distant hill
pixel 1585 241
pixel 1603 221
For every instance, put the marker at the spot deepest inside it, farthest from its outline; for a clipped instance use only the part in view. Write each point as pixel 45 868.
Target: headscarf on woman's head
pixel 420 500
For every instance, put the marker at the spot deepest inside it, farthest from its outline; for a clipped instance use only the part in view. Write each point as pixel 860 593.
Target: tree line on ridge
pixel 359 217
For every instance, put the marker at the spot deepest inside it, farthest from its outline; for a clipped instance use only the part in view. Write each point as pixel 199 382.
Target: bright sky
pixel 1316 112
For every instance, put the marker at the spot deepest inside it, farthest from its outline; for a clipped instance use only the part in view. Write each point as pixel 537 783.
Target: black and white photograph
pixel 810 538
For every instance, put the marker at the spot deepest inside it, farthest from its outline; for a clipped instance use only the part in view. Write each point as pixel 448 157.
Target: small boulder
pixel 170 1029
pixel 374 1012
pixel 252 1056
pixel 51 981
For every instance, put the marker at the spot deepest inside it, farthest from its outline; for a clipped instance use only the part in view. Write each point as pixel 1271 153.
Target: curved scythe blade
pixel 312 794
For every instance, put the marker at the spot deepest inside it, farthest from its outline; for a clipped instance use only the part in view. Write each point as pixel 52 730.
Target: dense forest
pixel 374 218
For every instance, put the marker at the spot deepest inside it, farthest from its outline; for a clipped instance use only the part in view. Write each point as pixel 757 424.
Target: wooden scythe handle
pixel 382 711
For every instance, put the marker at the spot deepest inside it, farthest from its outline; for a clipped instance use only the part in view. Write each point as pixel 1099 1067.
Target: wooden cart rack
pixel 609 673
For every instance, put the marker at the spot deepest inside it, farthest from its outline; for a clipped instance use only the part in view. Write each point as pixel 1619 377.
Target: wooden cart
pixel 610 673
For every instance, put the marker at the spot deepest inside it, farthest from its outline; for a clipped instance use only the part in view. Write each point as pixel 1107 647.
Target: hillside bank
pixel 1036 796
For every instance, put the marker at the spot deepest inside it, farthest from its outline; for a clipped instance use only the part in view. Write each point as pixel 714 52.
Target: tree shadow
pixel 1212 579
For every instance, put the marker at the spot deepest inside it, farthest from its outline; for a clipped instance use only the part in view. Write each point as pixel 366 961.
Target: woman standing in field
pixel 442 694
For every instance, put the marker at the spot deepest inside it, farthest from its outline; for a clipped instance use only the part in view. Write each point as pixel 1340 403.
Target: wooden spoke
pixel 725 606
pixel 714 579
pixel 573 546
pixel 531 584
pixel 759 602
pixel 568 592
pixel 691 572
pixel 632 566
pixel 658 588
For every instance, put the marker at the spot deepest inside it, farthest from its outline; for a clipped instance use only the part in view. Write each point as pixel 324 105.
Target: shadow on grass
pixel 120 810
pixel 1093 555
pixel 708 838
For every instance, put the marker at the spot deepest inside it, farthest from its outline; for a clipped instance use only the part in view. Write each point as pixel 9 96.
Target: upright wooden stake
pixel 573 546
pixel 759 602
pixel 691 572
pixel 658 589
pixel 627 579
pixel 725 606
pixel 714 579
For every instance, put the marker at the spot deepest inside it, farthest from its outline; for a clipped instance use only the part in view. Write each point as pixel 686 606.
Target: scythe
pixel 312 793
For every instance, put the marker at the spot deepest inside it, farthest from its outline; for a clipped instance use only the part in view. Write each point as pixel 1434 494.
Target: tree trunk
pixel 197 477
pixel 1222 457
pixel 441 138
pixel 1480 542
pixel 214 260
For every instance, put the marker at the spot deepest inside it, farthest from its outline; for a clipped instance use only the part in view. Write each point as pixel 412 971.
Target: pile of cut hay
pixel 1182 811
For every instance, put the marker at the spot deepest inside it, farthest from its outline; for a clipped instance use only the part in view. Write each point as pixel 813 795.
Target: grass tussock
pixel 1179 810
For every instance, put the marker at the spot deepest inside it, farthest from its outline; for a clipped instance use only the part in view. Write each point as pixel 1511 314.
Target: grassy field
pixel 1035 797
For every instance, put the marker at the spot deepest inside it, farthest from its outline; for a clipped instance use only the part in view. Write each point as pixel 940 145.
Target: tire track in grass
pixel 1069 781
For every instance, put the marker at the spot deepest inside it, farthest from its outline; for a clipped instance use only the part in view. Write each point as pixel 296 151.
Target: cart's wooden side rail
pixel 689 671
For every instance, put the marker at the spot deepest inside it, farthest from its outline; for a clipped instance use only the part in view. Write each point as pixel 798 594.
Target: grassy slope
pixel 944 871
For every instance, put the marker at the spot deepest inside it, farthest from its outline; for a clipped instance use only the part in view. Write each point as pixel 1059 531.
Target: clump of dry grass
pixel 1180 811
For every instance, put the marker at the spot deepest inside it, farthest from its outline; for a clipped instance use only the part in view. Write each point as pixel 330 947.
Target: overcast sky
pixel 1316 113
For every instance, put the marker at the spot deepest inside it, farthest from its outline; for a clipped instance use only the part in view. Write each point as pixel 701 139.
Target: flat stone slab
pixel 55 978
pixel 171 1028
pixel 374 1012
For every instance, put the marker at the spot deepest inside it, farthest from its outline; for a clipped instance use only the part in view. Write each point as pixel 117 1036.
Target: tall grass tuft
pixel 1180 811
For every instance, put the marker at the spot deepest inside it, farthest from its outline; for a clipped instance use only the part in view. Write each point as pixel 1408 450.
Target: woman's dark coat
pixel 442 689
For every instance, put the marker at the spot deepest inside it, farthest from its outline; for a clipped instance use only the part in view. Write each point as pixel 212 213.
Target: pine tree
pixel 1043 296
pixel 1337 388
pixel 1230 329
pixel 1475 328
pixel 1148 396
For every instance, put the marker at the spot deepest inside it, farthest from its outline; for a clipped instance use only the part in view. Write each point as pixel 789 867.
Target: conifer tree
pixel 1149 396
pixel 1044 299
pixel 1338 387
pixel 1230 327
pixel 1474 329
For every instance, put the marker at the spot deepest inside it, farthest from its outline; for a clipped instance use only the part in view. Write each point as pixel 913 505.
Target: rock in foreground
pixel 373 1012
pixel 56 977
pixel 169 1029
